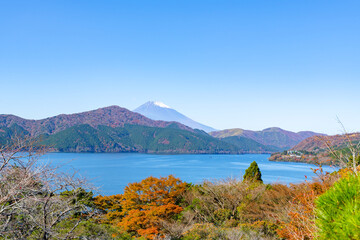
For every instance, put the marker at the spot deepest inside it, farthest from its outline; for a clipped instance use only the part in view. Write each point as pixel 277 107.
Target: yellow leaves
pixel 346 172
pixel 150 232
pixel 108 202
pixel 111 205
pixel 145 203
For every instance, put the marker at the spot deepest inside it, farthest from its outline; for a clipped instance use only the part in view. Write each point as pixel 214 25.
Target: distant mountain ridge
pixel 274 137
pixel 116 129
pixel 113 116
pixel 160 111
pixel 316 144
pixel 113 129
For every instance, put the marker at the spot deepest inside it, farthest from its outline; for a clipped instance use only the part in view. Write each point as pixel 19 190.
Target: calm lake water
pixel 111 172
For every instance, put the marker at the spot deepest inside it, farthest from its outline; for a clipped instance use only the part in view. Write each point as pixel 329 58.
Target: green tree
pixel 338 210
pixel 253 173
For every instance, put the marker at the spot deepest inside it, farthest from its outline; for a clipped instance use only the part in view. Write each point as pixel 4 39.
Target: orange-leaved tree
pixel 111 206
pixel 147 203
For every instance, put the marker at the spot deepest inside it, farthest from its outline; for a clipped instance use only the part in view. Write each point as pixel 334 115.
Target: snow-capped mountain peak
pixel 160 111
pixel 160 104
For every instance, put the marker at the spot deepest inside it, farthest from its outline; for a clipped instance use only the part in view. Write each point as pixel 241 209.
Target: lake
pixel 111 172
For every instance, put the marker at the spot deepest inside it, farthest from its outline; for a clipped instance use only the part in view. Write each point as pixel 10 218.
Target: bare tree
pixel 36 199
pixel 351 156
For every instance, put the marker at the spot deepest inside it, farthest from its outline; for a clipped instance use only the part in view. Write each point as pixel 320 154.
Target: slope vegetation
pixel 248 145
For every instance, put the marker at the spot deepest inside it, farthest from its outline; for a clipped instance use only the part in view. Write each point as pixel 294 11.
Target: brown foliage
pixel 299 223
pixel 224 201
pixel 237 205
pixel 266 209
pixel 270 205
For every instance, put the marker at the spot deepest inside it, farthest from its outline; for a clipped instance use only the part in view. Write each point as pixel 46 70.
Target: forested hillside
pixel 135 138
pixel 116 129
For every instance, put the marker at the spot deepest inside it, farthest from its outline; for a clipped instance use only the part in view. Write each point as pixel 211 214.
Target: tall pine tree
pixel 253 173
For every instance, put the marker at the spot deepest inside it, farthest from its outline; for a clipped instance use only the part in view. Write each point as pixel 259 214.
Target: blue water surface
pixel 111 172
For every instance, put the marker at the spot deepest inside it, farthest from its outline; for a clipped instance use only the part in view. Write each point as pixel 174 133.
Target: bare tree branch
pixel 32 202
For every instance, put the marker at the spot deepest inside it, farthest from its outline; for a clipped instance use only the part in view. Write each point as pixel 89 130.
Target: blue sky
pixel 248 64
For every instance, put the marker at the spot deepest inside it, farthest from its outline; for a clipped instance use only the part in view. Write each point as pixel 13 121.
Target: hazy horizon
pixel 229 64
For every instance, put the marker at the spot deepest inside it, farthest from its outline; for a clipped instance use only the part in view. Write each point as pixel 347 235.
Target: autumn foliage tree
pixel 147 203
pixel 111 207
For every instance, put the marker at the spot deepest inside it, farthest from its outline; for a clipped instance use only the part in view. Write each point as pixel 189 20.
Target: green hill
pixel 135 138
pixel 14 130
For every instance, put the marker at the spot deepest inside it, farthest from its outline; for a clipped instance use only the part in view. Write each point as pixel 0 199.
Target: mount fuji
pixel 160 111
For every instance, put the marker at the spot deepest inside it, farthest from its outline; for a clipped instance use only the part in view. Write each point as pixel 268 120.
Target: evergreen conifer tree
pixel 253 173
pixel 338 210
